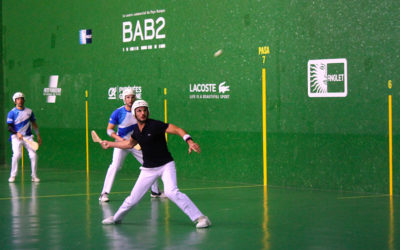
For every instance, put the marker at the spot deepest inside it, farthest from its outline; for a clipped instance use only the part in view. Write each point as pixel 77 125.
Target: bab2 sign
pixel 151 29
pixel 145 32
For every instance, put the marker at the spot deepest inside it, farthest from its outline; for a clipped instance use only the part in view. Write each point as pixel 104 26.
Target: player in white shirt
pixel 124 120
pixel 20 121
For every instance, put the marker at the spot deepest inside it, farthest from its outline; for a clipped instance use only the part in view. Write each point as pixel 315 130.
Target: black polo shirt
pixel 153 143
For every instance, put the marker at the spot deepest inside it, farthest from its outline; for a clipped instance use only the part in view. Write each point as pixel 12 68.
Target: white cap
pixel 139 103
pixel 128 91
pixel 18 95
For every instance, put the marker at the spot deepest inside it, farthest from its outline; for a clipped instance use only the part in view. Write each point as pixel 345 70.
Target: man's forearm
pixel 35 128
pixel 173 129
pixel 121 144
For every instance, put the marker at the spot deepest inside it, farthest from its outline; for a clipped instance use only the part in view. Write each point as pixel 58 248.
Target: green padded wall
pixel 327 120
pixel 2 111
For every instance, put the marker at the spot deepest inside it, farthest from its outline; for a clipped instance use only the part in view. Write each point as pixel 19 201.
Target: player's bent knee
pixel 115 166
pixel 171 194
pixel 33 156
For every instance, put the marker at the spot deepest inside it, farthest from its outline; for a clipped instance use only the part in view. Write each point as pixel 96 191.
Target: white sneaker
pixel 11 179
pixel 108 220
pixel 104 198
pixel 35 179
pixel 203 222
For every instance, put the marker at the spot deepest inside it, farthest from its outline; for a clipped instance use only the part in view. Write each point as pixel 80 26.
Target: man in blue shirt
pixel 20 121
pixel 157 162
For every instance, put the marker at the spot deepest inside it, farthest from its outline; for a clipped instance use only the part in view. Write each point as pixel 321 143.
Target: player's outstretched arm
pixel 119 144
pixel 173 129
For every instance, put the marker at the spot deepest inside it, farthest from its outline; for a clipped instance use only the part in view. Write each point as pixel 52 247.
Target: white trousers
pixel 147 176
pixel 119 156
pixel 17 153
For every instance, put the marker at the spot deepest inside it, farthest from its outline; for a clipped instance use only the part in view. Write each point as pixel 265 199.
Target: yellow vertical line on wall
pixel 88 210
pixel 167 214
pixel 165 111
pixel 88 222
pixel 266 237
pixel 22 162
pixel 22 159
pixel 391 225
pixel 264 110
pixel 390 148
pixel 87 136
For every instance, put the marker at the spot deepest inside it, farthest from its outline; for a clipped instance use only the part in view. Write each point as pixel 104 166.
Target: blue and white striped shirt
pixel 21 120
pixel 124 120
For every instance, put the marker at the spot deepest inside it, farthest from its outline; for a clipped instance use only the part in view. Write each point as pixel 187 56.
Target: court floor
pixel 63 212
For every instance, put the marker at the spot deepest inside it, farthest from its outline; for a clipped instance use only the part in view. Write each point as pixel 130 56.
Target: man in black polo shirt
pixel 157 162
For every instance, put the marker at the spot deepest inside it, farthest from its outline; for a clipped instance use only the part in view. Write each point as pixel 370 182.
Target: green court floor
pixel 63 212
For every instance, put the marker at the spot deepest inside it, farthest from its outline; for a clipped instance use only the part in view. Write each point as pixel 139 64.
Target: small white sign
pixel 327 78
pixel 52 91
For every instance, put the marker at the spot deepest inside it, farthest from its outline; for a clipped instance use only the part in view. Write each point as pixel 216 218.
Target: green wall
pixel 2 111
pixel 338 143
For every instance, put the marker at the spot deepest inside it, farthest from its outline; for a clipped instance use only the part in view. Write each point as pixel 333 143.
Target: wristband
pixel 110 132
pixel 186 137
